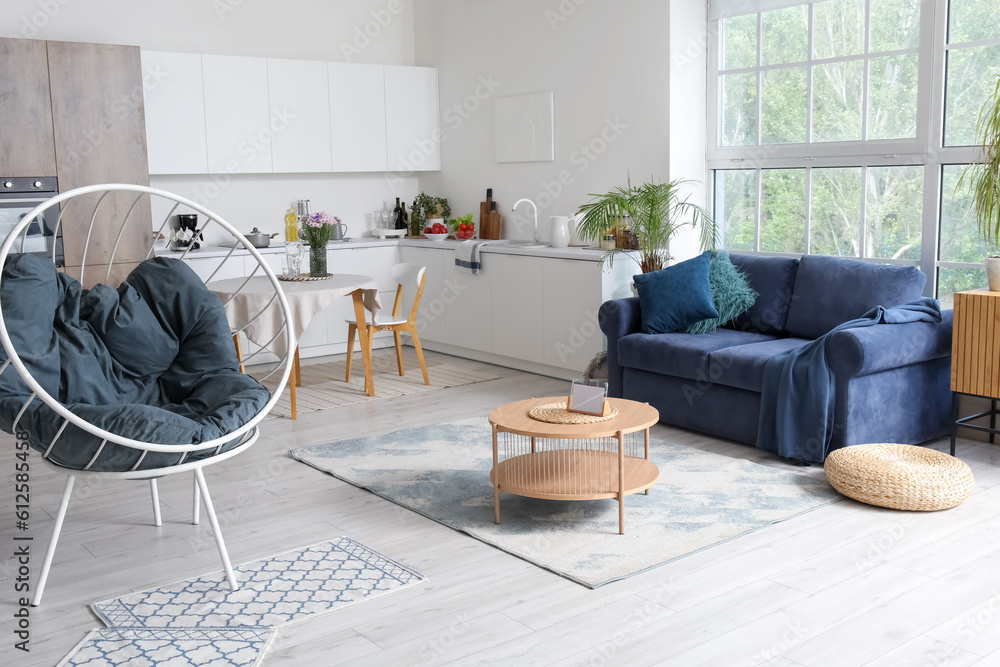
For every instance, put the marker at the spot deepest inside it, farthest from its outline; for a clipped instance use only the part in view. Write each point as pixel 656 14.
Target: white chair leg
pixel 157 521
pixel 195 518
pixel 47 563
pixel 210 510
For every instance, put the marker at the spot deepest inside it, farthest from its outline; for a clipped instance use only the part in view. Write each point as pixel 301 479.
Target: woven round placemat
pixel 303 277
pixel 902 477
pixel 556 413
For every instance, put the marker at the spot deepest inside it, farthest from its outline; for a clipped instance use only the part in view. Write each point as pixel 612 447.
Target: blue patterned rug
pixel 139 646
pixel 201 622
pixel 702 499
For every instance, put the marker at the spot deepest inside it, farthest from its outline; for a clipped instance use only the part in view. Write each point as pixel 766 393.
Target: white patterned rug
pixel 323 385
pixel 702 499
pixel 137 647
pixel 202 622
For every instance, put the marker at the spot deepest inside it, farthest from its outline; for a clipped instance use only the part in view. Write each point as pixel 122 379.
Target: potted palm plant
pixel 657 212
pixel 984 182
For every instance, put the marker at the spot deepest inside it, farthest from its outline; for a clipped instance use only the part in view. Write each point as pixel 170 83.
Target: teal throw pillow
pixel 731 294
pixel 675 297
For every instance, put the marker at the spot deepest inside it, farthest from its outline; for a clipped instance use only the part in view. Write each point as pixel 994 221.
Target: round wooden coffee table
pixel 604 459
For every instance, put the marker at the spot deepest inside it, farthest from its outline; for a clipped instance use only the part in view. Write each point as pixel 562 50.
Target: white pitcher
pixel 559 231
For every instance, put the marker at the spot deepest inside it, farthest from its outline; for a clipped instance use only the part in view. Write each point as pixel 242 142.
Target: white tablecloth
pixel 306 299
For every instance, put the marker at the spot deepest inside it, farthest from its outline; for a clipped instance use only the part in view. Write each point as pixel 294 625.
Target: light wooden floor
pixel 844 585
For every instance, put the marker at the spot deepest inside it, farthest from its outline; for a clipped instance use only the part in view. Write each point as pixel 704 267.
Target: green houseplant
pixel 984 182
pixel 425 206
pixel 657 212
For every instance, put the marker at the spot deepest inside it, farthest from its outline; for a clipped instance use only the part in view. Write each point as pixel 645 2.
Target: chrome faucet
pixel 534 234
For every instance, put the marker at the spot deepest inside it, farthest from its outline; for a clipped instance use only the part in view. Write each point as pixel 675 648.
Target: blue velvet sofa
pixel 892 382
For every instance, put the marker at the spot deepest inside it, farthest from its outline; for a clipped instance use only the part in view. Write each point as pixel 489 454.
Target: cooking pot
pixel 259 239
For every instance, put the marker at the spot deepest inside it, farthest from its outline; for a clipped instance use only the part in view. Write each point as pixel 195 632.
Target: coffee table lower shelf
pixel 573 474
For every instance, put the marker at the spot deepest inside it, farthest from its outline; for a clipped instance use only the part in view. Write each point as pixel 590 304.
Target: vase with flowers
pixel 316 231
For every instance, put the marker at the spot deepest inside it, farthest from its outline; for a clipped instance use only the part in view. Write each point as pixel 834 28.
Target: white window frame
pixel 925 149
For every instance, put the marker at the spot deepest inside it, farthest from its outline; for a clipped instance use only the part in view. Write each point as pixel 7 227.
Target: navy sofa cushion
pixel 674 297
pixel 832 290
pixel 742 366
pixel 773 279
pixel 683 355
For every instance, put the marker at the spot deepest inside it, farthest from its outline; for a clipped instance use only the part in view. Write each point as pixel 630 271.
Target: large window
pixel 842 127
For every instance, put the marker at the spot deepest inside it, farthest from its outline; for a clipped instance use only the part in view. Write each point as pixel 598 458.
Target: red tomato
pixel 428 230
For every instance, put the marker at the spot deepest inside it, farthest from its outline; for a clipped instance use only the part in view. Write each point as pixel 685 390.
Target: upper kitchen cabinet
pixel 100 137
pixel 300 110
pixel 413 133
pixel 238 121
pixel 175 113
pixel 357 117
pixel 26 141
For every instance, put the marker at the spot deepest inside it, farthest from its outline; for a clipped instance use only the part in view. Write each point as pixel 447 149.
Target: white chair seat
pixel 379 322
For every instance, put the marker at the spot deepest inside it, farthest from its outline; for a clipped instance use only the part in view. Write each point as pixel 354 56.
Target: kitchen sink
pixel 525 244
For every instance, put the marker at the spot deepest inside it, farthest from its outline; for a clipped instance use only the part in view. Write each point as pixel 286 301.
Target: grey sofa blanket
pixel 796 408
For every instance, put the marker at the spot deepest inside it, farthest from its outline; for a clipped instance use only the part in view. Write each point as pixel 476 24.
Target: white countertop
pixel 276 248
pixel 499 247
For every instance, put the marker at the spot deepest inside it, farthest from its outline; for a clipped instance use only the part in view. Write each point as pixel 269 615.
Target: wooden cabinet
pixel 357 117
pixel 26 141
pixel 238 119
pixel 100 137
pixel 175 113
pixel 298 94
pixel 413 134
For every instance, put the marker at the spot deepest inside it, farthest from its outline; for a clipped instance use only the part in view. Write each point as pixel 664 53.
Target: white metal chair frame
pixel 407 277
pixel 247 434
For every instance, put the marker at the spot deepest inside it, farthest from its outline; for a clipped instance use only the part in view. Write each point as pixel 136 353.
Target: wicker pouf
pixel 902 477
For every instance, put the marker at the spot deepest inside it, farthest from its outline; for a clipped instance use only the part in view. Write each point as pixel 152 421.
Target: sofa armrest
pixel 618 318
pixel 867 350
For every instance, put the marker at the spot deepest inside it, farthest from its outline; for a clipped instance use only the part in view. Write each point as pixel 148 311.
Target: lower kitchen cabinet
pixel 526 311
pixel 327 333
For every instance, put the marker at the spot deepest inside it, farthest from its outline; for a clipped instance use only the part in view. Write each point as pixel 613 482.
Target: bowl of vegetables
pixel 463 228
pixel 436 232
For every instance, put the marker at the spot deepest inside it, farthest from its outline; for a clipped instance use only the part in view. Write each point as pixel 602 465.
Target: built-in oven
pixel 18 195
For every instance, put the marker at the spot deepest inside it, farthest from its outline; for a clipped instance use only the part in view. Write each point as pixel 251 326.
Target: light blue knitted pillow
pixel 731 294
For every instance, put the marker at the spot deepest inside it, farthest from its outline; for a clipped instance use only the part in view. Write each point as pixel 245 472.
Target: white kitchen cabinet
pixel 571 299
pixel 413 132
pixel 357 117
pixel 174 103
pixel 238 120
pixel 468 315
pixel 516 281
pixel 375 262
pixel 534 312
pixel 436 299
pixel 298 94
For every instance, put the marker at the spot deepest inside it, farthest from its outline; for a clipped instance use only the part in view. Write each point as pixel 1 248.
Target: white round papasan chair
pixel 134 381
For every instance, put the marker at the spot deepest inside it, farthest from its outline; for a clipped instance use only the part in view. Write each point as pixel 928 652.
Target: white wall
pixel 364 31
pixel 609 66
pixel 306 29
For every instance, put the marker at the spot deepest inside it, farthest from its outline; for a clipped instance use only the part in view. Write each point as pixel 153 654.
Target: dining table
pixel 252 309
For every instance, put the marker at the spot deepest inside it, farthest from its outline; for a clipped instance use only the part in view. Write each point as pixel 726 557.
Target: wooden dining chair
pixel 408 277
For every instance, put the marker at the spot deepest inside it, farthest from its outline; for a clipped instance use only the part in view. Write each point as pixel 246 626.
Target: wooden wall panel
pixel 100 137
pixel 27 147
